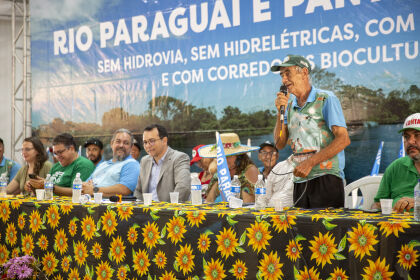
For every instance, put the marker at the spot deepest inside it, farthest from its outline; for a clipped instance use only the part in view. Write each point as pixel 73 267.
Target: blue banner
pixel 377 164
pixel 402 150
pixel 222 170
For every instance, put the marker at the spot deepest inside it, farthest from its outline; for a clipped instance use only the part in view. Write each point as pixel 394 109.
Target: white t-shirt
pixel 280 186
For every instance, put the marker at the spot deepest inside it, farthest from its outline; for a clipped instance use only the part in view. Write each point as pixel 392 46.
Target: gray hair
pixel 123 130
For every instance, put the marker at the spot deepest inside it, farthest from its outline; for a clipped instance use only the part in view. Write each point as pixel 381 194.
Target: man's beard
pixel 96 160
pixel 416 157
pixel 120 157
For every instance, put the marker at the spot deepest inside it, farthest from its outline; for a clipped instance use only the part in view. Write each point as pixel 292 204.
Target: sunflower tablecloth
pixel 181 241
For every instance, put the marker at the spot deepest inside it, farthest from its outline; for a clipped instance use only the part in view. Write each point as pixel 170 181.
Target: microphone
pixel 116 198
pixel 283 89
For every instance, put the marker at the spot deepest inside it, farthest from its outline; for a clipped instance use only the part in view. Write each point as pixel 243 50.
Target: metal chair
pixel 368 185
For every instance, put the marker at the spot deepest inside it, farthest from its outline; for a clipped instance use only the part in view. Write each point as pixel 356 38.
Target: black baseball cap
pixel 94 141
pixel 267 143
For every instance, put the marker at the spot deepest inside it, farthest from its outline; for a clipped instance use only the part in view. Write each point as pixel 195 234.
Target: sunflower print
pixel 160 259
pixel 361 240
pixel 49 263
pixel 66 208
pixel 176 229
pixel 407 256
pixel 185 258
pixel 65 263
pixel 72 227
pixel 11 234
pixel 338 274
pixel 4 254
pixel 226 242
pixel 239 270
pixel 53 216
pixel 393 227
pixel 15 253
pixel 270 266
pixel 88 227
pixel 4 211
pixel 151 235
pixel 141 262
pixel 16 203
pixel 27 244
pixel 21 221
pixel 87 277
pixel 293 250
pixel 80 252
pixel 323 248
pixel 43 242
pixel 74 274
pixel 258 235
pixel 305 274
pixel 214 270
pixel 61 241
pixel 167 276
pixel 203 243
pixel 195 218
pixel 96 250
pixel 104 271
pixel 109 223
pixel 122 272
pixel 125 212
pixel 58 277
pixel 283 222
pixel 117 250
pixel 377 270
pixel 35 221
pixel 132 235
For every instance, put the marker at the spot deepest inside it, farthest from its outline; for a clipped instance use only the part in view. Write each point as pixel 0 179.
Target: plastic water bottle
pixel 417 202
pixel 235 188
pixel 260 193
pixel 3 185
pixel 49 188
pixel 77 189
pixel 195 190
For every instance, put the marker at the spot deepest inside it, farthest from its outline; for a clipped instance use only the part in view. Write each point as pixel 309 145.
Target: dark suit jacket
pixel 174 176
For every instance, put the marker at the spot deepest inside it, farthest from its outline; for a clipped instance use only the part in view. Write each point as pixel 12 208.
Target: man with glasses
pixel 7 166
pixel 268 155
pixel 69 164
pixel 163 170
pixel 118 175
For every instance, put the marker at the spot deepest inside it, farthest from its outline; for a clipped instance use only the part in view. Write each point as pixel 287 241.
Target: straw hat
pixel 231 144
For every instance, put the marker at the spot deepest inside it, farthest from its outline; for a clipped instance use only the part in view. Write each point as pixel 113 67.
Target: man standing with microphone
pixel 314 126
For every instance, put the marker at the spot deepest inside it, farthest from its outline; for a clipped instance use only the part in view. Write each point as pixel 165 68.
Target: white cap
pixel 411 122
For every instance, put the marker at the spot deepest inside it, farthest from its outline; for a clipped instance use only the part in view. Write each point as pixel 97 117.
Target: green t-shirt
pixel 63 176
pixel 22 176
pixel 399 180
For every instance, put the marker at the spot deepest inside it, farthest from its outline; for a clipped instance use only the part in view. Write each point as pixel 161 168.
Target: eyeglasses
pixel 151 142
pixel 59 153
pixel 27 150
pixel 264 154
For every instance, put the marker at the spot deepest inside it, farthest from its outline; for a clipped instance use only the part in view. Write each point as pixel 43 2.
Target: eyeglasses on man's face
pixel 150 142
pixel 27 150
pixel 264 153
pixel 60 152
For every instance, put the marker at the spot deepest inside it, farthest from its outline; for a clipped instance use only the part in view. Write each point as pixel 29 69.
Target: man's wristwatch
pixel 95 189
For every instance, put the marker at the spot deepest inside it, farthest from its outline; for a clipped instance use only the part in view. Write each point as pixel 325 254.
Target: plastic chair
pixel 368 185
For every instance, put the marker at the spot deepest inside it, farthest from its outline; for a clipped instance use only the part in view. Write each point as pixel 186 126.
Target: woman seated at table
pixel 37 163
pixel 238 163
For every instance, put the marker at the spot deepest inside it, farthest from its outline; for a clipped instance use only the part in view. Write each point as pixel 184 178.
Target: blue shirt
pixel 13 170
pixel 154 177
pixel 332 112
pixel 110 173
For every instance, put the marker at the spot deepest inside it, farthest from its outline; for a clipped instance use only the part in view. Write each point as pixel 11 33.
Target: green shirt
pixel 399 180
pixel 63 176
pixel 22 176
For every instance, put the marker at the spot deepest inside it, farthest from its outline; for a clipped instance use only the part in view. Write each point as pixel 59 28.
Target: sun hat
pixel 195 156
pixel 231 145
pixel 411 122
pixel 292 60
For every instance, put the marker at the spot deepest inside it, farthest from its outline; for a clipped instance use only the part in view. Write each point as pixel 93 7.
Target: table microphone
pixel 115 198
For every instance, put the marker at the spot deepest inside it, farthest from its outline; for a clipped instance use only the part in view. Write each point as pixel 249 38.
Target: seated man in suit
pixel 118 175
pixel 163 170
